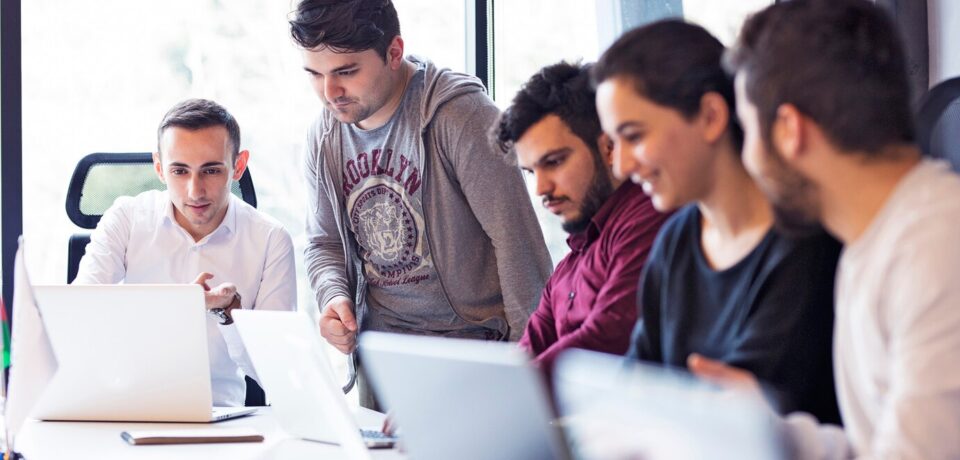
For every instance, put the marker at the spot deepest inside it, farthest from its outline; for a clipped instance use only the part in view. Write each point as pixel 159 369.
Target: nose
pixel 195 189
pixel 544 185
pixel 623 162
pixel 331 89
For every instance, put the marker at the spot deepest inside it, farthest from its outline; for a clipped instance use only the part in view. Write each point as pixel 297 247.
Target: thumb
pixel 345 313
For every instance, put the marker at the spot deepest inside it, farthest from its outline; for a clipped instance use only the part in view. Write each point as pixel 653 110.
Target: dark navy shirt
pixel 771 313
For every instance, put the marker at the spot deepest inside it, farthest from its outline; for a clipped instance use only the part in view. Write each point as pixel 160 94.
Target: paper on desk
pixel 32 362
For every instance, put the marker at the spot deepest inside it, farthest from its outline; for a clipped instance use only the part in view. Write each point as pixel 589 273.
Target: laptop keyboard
pixel 376 434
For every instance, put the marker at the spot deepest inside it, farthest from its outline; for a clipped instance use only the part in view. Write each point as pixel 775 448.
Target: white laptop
pixel 462 399
pixel 128 353
pixel 618 408
pixel 291 362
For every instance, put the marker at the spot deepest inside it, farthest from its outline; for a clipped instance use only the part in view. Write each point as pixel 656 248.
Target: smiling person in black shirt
pixel 720 281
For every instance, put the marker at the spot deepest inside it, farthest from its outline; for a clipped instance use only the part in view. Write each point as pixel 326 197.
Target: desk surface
pixel 101 440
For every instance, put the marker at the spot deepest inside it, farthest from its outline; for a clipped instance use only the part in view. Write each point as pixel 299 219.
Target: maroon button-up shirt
pixel 590 301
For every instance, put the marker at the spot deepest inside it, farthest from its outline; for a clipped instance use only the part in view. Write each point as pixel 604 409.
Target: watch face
pixel 221 315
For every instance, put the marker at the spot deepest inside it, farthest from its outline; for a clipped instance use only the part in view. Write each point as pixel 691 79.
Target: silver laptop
pixel 462 399
pixel 291 362
pixel 617 408
pixel 128 353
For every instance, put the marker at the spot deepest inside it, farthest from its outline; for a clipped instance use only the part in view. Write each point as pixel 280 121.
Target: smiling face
pixel 572 182
pixel 654 145
pixel 196 166
pixel 356 87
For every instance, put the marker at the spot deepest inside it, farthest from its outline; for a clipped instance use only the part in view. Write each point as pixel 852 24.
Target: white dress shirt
pixel 897 332
pixel 138 242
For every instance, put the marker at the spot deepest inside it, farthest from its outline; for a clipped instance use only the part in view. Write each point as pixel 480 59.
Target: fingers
pixel 224 289
pixel 338 325
pixel 345 343
pixel 344 312
pixel 720 373
pixel 202 279
pixel 220 296
pixel 388 426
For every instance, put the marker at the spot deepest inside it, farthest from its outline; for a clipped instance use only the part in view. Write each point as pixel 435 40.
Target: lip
pixel 555 206
pixel 199 209
pixel 647 183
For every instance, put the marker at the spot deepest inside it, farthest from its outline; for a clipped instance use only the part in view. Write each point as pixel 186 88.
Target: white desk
pixel 101 440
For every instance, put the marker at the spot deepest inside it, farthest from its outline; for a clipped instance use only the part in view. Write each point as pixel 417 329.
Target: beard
pixel 601 187
pixel 793 197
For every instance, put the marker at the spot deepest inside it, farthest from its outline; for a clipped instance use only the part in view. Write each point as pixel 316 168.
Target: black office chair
pixel 99 179
pixel 938 122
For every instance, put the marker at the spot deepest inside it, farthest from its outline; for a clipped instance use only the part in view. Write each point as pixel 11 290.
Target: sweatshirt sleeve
pixel 498 198
pixel 323 256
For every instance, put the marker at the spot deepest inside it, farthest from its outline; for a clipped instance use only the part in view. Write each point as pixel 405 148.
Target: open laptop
pixel 292 364
pixel 462 399
pixel 619 408
pixel 128 353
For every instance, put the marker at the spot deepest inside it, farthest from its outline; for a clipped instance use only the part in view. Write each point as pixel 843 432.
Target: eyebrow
pixel 552 153
pixel 348 66
pixel 628 124
pixel 205 165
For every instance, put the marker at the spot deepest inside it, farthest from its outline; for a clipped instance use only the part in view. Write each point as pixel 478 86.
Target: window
pixel 531 34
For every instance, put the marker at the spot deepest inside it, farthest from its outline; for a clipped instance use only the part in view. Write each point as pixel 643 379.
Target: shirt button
pixel 572 295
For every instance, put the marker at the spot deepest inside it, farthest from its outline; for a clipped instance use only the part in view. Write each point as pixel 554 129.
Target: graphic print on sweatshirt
pixel 383 204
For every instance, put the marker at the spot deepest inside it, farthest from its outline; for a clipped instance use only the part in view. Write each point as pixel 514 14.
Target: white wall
pixel 943 22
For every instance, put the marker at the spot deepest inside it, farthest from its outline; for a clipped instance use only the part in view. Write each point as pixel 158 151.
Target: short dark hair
pixel 195 114
pixel 345 26
pixel 674 64
pixel 561 89
pixel 840 62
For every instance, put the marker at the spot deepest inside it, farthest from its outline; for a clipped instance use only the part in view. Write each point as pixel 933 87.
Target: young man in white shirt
pixel 823 94
pixel 197 231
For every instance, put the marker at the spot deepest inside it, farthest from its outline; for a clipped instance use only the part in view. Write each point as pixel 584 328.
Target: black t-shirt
pixel 771 313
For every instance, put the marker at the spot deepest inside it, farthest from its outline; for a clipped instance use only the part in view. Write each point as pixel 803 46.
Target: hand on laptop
pixel 220 296
pixel 338 325
pixel 389 425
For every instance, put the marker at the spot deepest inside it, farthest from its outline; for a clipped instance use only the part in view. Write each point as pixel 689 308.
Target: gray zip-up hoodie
pixel 481 228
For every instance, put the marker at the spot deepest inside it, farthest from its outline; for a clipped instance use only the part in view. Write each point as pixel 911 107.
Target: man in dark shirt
pixel 720 281
pixel 589 302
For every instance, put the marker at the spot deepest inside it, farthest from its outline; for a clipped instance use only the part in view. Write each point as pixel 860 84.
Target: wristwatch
pixel 223 314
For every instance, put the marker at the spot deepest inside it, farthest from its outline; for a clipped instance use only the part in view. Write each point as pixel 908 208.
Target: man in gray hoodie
pixel 414 225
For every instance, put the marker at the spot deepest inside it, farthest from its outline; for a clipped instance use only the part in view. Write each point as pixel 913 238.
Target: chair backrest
pixel 938 122
pixel 99 179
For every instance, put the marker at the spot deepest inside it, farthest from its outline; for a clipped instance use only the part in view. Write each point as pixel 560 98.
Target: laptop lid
pixel 293 368
pixel 126 353
pixel 618 408
pixel 462 399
